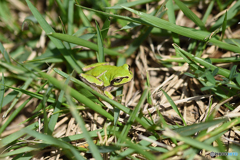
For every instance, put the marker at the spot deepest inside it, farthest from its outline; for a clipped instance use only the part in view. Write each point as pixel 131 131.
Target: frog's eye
pixel 118 80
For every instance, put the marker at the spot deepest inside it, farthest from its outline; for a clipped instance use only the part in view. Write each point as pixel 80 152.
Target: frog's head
pixel 122 76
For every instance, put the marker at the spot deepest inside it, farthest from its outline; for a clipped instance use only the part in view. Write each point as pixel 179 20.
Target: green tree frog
pixel 105 78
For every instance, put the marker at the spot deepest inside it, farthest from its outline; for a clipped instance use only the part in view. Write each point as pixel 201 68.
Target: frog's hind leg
pixel 91 80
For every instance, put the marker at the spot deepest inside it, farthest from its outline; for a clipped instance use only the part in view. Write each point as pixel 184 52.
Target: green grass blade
pixel 224 25
pixel 232 72
pixel 221 71
pixel 16 112
pixel 105 28
pixel 48 29
pixel 142 121
pixel 94 150
pixel 14 136
pixel 129 19
pixel 2 91
pixel 187 32
pixel 5 54
pixel 54 117
pixel 100 54
pixel 137 148
pixel 231 13
pixel 149 97
pixel 138 41
pixel 81 98
pixel 84 19
pixel 208 11
pixel 213 60
pixel 81 42
pixel 73 154
pixel 190 14
pixel 33 94
pixel 44 105
pixel 224 127
pixel 70 16
pixel 24 150
pixel 12 68
pixel 174 106
pixel 129 151
pixel 194 128
pixel 133 116
pixel 147 30
pixel 188 140
pixel 172 19
pixel 61 7
pixel 13 115
pixel 13 104
pixel 130 4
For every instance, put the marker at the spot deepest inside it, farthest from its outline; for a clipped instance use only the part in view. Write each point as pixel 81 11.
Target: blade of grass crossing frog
pixel 48 29
pixel 2 90
pixel 81 98
pixel 100 54
pixel 93 149
pixel 143 121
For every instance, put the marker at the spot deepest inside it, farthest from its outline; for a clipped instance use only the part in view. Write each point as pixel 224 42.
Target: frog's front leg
pixel 107 92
